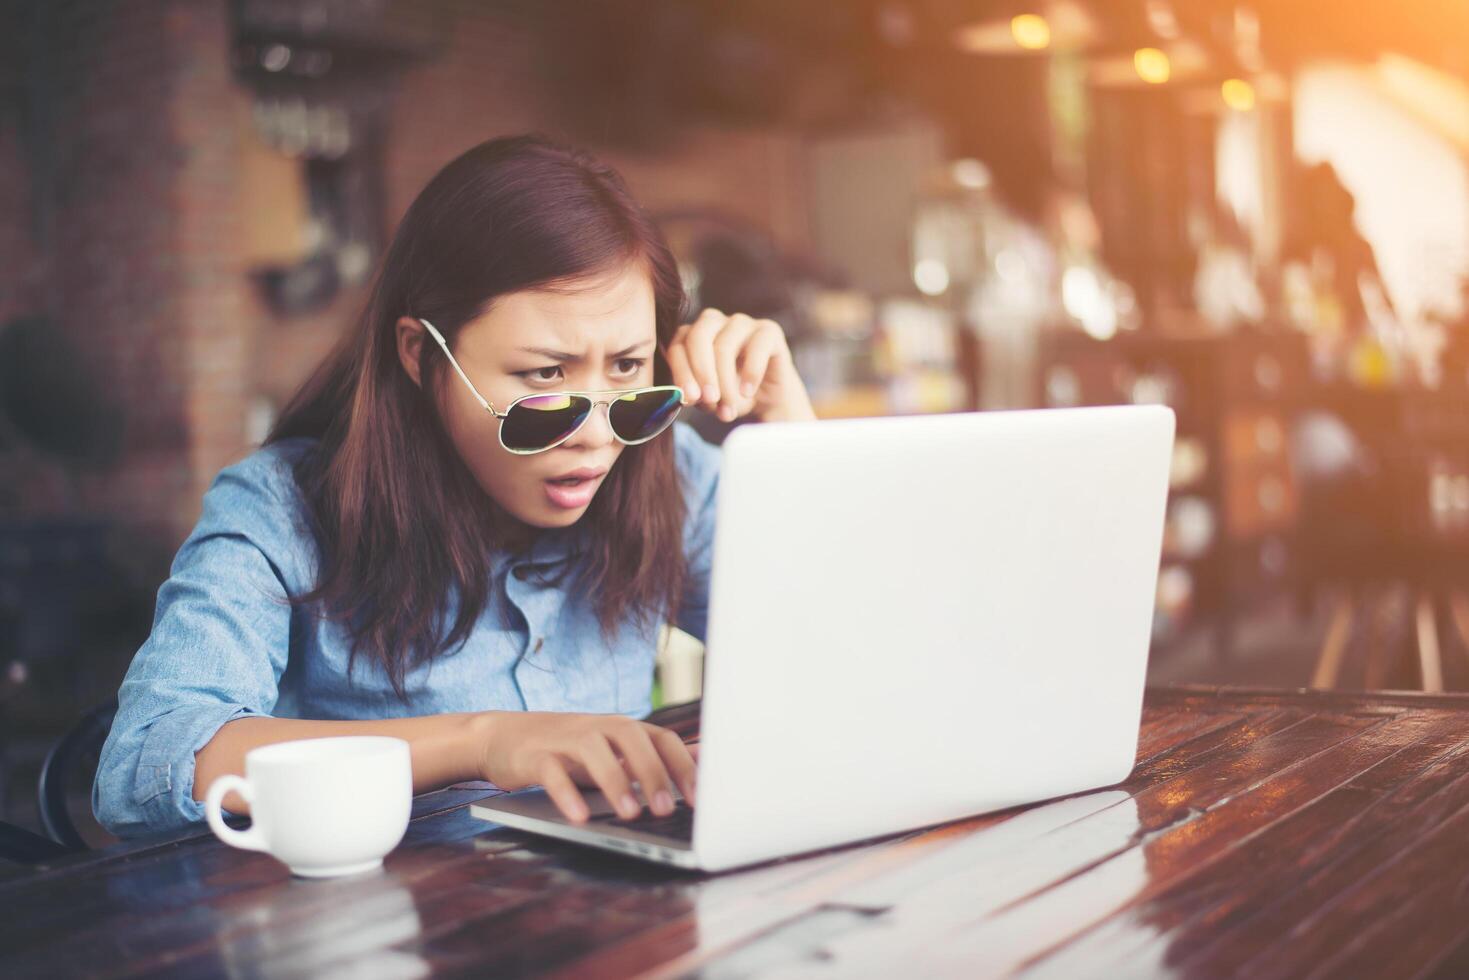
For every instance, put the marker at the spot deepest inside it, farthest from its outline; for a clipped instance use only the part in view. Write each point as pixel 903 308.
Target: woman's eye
pixel 629 365
pixel 551 373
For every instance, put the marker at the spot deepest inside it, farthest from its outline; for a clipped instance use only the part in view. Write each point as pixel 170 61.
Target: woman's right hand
pixel 561 751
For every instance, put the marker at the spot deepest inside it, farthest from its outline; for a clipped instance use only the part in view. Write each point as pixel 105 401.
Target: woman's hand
pixel 737 365
pixel 560 751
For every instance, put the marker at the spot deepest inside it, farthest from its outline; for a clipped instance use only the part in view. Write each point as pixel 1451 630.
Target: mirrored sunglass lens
pixel 543 420
pixel 644 414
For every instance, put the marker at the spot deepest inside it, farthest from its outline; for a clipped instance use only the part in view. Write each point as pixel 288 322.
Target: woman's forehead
pixel 611 312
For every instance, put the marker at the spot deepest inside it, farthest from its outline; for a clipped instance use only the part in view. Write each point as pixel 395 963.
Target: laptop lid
pixel 917 619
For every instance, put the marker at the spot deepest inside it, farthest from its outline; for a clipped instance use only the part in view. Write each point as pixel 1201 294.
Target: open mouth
pixel 574 490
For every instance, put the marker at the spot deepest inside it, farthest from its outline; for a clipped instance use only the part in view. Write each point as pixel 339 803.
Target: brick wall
pixel 218 318
pixel 22 285
pixel 107 255
pixel 24 476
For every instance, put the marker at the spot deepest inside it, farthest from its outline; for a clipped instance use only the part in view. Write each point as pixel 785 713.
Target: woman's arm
pixel 216 653
pixel 512 749
pixel 444 748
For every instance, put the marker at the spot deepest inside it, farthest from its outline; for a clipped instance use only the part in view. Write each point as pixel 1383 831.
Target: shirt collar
pixel 550 547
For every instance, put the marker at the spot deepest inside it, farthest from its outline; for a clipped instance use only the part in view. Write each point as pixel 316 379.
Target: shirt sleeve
pixel 699 469
pixel 218 646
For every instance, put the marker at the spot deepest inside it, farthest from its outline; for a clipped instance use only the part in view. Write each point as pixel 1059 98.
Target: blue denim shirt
pixel 226 645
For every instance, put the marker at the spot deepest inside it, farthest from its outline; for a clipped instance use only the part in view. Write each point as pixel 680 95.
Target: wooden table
pixel 1261 835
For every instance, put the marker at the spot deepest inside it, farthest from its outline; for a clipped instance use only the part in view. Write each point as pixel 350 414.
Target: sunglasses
pixel 535 423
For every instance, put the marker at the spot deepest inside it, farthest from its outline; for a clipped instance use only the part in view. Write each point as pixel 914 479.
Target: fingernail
pixel 662 802
pixel 727 413
pixel 747 389
pixel 629 807
pixel 691 394
pixel 711 395
pixel 579 812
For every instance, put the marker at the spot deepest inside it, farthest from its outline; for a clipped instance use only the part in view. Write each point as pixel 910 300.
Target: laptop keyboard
pixel 679 824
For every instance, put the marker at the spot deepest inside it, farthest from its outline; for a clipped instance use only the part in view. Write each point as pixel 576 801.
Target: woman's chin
pixel 547 516
pixel 559 518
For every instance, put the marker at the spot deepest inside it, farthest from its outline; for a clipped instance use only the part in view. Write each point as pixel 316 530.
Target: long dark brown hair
pixel 400 522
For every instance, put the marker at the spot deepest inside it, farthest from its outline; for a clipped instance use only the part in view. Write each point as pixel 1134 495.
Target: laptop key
pixel 678 824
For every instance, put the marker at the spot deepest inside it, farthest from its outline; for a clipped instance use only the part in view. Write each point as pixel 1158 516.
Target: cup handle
pixel 252 839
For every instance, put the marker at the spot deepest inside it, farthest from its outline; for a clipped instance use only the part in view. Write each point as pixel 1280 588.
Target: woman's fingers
pixel 728 345
pixel 645 763
pixel 601 764
pixel 705 359
pixel 677 759
pixel 699 346
pixel 724 362
pixel 608 752
pixel 762 347
pixel 678 366
pixel 562 790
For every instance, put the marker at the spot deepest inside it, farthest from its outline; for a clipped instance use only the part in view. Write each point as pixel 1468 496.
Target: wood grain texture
pixel 1261 834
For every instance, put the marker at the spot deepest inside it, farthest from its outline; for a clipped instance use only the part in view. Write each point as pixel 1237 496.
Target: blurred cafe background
pixel 1255 211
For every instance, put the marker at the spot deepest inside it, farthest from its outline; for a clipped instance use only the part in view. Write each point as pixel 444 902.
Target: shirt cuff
pixel 164 785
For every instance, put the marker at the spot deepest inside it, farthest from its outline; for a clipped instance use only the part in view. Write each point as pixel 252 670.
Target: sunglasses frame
pixel 595 397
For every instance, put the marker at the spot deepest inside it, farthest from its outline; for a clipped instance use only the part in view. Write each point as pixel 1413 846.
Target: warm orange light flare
pixel 1031 31
pixel 1152 65
pixel 1238 94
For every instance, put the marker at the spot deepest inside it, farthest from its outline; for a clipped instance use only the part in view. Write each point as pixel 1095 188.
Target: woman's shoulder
pixel 269 470
pixel 259 498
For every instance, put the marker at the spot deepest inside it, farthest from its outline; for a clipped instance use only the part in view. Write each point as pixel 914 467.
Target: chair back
pixel 77 748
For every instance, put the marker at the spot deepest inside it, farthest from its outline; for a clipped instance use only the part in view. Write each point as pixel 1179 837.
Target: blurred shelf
pixel 925 393
pixel 860 401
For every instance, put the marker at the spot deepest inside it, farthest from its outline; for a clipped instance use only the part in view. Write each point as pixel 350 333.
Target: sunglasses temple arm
pixel 433 332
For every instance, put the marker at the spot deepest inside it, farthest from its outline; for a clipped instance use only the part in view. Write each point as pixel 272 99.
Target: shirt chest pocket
pixel 635 658
pixel 589 673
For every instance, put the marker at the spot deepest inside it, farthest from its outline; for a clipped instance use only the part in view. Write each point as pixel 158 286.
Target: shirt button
pixel 540 642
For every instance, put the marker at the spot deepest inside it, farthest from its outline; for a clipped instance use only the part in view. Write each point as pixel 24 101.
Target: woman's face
pixel 598 336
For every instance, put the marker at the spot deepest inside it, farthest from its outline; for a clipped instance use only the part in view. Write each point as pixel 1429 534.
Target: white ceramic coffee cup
pixel 324 806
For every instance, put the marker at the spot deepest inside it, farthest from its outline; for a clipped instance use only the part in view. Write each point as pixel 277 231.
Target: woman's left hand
pixel 737 365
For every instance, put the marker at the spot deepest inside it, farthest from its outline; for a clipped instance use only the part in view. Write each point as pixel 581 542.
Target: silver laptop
pixel 912 620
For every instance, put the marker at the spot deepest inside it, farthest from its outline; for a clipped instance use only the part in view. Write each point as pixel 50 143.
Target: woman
pixel 440 540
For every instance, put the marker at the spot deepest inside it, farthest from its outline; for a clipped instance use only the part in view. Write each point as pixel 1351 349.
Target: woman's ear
pixel 409 334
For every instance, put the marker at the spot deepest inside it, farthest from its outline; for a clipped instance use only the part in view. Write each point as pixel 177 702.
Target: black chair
pixel 79 747
pixel 21 846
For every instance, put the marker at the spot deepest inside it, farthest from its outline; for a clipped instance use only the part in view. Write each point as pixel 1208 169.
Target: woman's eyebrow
pixel 557 355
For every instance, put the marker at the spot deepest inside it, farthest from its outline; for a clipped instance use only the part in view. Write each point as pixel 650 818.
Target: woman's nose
pixel 596 432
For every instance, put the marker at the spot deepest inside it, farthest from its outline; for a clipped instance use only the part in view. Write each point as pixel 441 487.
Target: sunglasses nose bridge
pixel 605 404
pixel 602 429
